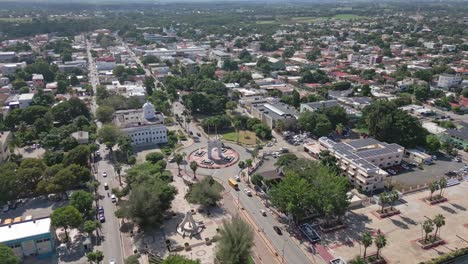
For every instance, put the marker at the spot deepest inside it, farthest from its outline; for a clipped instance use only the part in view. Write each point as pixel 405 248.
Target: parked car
pixel 171 159
pixel 263 212
pixel 101 218
pixel 237 178
pixel 106 186
pixel 104 174
pixel 198 134
pixel 277 230
pixel 113 198
pixel 248 192
pixel 100 210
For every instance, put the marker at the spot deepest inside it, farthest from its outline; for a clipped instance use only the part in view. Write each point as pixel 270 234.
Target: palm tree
pixel 194 167
pixel 380 242
pixel 248 163
pixel 442 185
pixel 118 169
pixel 383 201
pixel 393 197
pixel 237 125
pixel 433 186
pixel 428 227
pixel 439 221
pixel 178 158
pixel 366 240
pixel 235 242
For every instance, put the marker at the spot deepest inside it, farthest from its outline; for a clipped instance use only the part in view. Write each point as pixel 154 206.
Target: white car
pixel 248 192
pixel 237 178
pixel 263 212
pixel 112 261
pixel 113 198
pixel 104 174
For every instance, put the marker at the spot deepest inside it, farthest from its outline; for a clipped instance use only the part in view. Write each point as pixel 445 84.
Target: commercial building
pixel 272 114
pixel 314 106
pixel 144 126
pixel 448 81
pixel 105 64
pixel 362 160
pixel 28 238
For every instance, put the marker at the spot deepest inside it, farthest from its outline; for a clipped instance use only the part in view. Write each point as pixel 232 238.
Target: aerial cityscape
pixel 234 132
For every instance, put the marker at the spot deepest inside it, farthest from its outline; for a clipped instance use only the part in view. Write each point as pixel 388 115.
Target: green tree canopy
pixel 7 256
pixel 66 217
pixel 235 242
pixel 206 192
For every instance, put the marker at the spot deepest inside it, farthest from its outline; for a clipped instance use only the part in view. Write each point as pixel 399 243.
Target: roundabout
pixel 215 156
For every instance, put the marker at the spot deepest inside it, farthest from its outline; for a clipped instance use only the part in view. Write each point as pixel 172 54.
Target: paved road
pixel 292 253
pixel 111 244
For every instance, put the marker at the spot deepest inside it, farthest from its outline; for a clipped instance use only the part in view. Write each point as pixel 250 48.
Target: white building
pixel 144 126
pixel 314 106
pixel 447 81
pixel 362 160
pixel 25 100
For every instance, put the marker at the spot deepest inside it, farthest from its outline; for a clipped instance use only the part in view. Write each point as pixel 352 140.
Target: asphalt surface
pixel 111 244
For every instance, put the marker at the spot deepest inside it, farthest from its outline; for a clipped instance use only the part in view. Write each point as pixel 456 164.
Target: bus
pixel 233 183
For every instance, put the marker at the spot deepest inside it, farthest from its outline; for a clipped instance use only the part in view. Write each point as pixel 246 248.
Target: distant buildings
pixel 448 81
pixel 144 126
pixel 362 160
pixel 7 56
pixel 105 64
pixel 28 238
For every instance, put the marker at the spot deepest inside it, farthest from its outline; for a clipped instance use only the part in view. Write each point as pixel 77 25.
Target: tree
pixel 148 201
pixel 380 242
pixel 286 159
pixel 206 192
pixel 8 256
pixel 366 240
pixel 194 167
pixel 95 256
pixel 154 157
pixel 83 201
pixel 428 227
pixel 109 135
pixel 433 186
pixel 90 226
pixel 235 242
pixel 432 143
pixel 177 259
pixel 384 199
pixel 442 185
pixel 439 221
pixel 257 179
pixel 392 198
pixel 66 217
pixel 78 155
pixel 178 158
pixel 104 113
pixel 358 260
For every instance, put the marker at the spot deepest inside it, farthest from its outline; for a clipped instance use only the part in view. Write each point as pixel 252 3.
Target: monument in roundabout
pixel 215 155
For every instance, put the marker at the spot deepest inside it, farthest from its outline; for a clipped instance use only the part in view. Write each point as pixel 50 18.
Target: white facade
pixel 147 134
pixel 25 100
pixel 144 126
pixel 362 160
pixel 447 81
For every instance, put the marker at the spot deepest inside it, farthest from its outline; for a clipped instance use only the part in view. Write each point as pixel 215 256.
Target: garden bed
pixel 372 259
pixel 387 212
pixel 435 200
pixel 331 227
pixel 431 242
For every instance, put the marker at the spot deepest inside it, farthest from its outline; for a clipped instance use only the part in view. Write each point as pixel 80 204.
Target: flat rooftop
pixel 24 229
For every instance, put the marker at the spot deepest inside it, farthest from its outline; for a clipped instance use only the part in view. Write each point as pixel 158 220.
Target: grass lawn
pixel 303 19
pixel 267 22
pixel 16 19
pixel 245 137
pixel 348 17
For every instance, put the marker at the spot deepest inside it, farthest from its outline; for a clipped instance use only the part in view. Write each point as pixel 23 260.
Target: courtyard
pixel 403 230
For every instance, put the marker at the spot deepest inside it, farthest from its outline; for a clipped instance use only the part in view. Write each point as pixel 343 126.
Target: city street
pixel 111 240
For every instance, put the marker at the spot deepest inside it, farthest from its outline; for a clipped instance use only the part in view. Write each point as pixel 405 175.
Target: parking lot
pixel 35 207
pixel 427 173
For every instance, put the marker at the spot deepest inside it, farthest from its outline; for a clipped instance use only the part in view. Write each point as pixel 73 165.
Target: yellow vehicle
pixel 233 183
